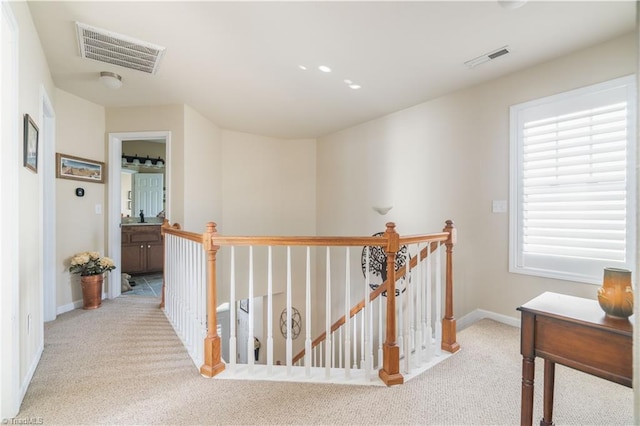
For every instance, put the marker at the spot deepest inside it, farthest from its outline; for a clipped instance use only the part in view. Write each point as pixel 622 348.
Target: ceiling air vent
pixel 106 46
pixel 487 57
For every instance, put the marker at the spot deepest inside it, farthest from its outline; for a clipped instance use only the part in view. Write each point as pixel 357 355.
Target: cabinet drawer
pixel 141 234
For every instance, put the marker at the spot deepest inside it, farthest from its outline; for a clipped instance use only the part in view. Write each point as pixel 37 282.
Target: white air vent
pixel 116 49
pixel 487 57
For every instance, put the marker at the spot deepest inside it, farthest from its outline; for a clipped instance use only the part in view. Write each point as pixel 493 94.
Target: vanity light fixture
pixel 111 79
pixel 135 161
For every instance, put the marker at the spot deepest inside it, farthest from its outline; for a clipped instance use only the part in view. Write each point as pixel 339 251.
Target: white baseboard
pixel 73 305
pixel 478 314
pixel 69 307
pixel 30 373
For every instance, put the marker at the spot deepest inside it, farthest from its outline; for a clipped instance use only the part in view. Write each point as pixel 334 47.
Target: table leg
pixel 528 371
pixel 549 377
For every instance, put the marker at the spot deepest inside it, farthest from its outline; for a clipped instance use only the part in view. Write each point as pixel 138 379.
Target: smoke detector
pixel 116 49
pixel 487 57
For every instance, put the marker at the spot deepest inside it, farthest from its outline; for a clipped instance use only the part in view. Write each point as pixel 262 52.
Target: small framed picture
pixel 129 204
pixel 76 168
pixel 30 160
pixel 244 305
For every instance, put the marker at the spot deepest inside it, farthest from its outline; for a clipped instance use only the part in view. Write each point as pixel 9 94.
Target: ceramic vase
pixel 616 294
pixel 91 291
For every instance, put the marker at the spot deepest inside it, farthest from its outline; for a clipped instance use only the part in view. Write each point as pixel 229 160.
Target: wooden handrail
pixel 300 241
pixel 378 291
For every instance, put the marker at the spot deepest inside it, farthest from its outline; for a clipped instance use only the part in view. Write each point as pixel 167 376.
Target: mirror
pixel 142 179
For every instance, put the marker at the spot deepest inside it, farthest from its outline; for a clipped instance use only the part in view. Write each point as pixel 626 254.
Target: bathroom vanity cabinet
pixel 141 249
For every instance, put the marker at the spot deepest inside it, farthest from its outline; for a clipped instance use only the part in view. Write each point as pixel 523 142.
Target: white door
pixel 148 194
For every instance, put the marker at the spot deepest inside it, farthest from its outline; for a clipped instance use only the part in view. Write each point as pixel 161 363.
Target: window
pixel 572 207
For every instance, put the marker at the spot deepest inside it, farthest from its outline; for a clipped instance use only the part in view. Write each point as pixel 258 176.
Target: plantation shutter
pixel 574 201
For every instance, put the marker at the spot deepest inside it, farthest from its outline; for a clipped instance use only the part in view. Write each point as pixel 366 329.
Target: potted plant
pixel 91 267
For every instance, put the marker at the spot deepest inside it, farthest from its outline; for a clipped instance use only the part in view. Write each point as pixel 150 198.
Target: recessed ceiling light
pixel 324 68
pixel 355 86
pixel 302 67
pixel 348 81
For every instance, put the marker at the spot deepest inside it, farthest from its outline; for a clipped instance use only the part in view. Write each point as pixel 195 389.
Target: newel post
pixel 390 372
pixel 449 343
pixel 212 360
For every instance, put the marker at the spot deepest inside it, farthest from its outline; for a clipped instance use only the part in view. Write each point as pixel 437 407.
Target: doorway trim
pixel 48 197
pixel 9 218
pixel 115 167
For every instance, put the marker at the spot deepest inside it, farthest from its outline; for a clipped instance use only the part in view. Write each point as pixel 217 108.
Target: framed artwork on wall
pixel 76 168
pixel 30 145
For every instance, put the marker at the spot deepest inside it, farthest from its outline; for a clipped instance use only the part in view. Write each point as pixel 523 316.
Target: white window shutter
pixel 573 182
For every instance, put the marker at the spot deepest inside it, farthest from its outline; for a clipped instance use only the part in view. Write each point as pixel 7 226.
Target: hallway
pixel 123 364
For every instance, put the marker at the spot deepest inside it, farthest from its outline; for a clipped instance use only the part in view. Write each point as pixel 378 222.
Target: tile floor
pixel 146 285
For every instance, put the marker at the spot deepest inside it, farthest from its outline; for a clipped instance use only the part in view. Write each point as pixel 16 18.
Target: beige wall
pixel 448 159
pixel 203 174
pixel 80 131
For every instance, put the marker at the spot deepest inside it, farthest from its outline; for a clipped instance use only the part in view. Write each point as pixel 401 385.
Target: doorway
pixel 116 141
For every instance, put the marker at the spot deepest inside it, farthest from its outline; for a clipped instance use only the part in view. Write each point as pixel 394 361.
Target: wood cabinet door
pixel 154 257
pixel 133 258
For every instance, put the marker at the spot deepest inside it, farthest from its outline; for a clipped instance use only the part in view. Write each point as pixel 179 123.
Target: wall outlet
pixel 499 206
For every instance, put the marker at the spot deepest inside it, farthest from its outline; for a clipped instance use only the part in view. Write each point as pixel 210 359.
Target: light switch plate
pixel 98 208
pixel 499 206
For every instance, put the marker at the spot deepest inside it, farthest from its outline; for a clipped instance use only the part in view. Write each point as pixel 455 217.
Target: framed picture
pixel 30 144
pixel 76 168
pixel 244 305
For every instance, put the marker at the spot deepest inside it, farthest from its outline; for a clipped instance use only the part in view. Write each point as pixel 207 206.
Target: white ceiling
pixel 237 62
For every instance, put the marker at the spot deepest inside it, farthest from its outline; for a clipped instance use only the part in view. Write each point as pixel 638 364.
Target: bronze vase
pixel 91 291
pixel 616 294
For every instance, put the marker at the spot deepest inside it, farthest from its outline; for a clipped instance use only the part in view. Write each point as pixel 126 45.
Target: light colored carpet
pixel 123 364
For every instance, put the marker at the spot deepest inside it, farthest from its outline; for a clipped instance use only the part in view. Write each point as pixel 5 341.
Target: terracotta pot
pixel 91 291
pixel 616 294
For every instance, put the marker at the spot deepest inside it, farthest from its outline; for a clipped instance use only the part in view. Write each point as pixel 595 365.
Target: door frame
pixel 48 197
pixel 114 196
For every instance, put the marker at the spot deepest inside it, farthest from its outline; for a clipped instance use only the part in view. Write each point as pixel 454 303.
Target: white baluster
pixel 327 322
pixel 400 315
pixel 340 354
pixel 438 344
pixel 289 342
pixel 380 335
pixel 307 343
pixel 363 351
pixel 407 316
pixel 250 337
pixel 429 308
pixel 355 341
pixel 269 311
pixel 233 344
pixel 347 319
pixel 368 334
pixel 418 318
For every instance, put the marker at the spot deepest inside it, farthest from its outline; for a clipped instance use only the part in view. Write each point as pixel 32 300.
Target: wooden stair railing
pixel 391 241
pixel 372 296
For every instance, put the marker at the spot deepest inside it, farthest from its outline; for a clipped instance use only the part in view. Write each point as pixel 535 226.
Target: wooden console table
pixel 576 333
